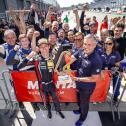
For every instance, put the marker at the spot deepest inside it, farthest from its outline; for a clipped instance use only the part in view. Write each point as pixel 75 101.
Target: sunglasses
pixel 110 44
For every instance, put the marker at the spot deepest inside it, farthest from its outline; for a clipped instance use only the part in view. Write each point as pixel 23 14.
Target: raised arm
pixel 13 58
pixel 22 22
pixel 82 20
pixel 18 19
pixel 73 59
pixel 26 60
pixel 33 43
pixel 75 11
pixel 48 16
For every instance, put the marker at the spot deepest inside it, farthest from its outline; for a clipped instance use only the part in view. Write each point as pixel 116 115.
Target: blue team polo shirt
pixel 76 64
pixel 110 60
pixel 99 50
pixel 90 65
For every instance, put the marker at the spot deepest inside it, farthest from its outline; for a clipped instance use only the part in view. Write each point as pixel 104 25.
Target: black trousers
pixel 84 100
pixel 49 90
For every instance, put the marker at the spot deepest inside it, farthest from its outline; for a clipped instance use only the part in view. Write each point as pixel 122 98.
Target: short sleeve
pixel 76 54
pixel 118 57
pixel 96 67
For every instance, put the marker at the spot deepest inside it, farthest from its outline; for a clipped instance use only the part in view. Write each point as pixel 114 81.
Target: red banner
pixel 27 89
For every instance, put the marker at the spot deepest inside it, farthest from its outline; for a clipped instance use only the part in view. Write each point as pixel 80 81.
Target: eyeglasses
pixel 110 44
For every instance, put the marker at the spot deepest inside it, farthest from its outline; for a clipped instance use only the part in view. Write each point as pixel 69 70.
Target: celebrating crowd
pixel 42 38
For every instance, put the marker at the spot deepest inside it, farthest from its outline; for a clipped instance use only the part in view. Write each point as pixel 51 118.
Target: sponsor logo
pixel 32 85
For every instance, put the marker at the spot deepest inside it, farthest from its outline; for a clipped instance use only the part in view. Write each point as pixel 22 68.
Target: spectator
pixel 110 59
pixel 45 75
pixel 87 75
pixel 96 23
pixel 33 15
pixel 121 42
pixel 66 20
pixel 104 24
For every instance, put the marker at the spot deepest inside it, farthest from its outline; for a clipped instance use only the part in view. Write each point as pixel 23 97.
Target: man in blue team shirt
pixel 10 39
pixel 77 46
pixel 87 74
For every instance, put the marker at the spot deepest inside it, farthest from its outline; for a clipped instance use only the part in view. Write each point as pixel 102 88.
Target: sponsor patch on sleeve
pixel 98 70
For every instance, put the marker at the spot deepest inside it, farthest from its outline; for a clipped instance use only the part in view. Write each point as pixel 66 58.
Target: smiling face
pixel 118 32
pixel 108 45
pixel 61 34
pixel 89 45
pixel 52 39
pixel 71 36
pixel 92 29
pixel 55 26
pixel 44 49
pixel 24 43
pixel 104 34
pixel 78 41
pixel 10 37
pixel 66 27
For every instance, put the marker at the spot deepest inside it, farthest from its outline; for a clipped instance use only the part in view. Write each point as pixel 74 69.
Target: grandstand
pixel 101 3
pixel 107 3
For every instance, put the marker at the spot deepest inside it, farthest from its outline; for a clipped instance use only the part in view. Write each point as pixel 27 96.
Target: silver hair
pixel 9 31
pixel 89 36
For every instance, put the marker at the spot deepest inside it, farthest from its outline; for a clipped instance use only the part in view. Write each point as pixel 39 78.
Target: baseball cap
pixel 42 41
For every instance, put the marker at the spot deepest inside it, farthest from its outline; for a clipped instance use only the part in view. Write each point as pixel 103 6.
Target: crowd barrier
pixel 8 101
pixel 27 88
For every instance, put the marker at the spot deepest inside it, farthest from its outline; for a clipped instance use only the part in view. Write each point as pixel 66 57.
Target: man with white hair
pixel 87 75
pixel 10 39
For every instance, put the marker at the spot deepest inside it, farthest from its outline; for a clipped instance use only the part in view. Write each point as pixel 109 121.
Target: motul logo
pixel 32 85
pixel 66 84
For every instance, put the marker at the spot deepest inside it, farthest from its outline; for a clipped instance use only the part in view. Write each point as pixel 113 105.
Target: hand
pixel 10 12
pixel 16 47
pixel 36 34
pixel 85 7
pixel 47 24
pixel 56 71
pixel 75 11
pixel 51 9
pixel 74 78
pixel 31 55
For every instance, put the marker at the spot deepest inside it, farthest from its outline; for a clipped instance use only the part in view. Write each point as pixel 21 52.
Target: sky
pixel 66 3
